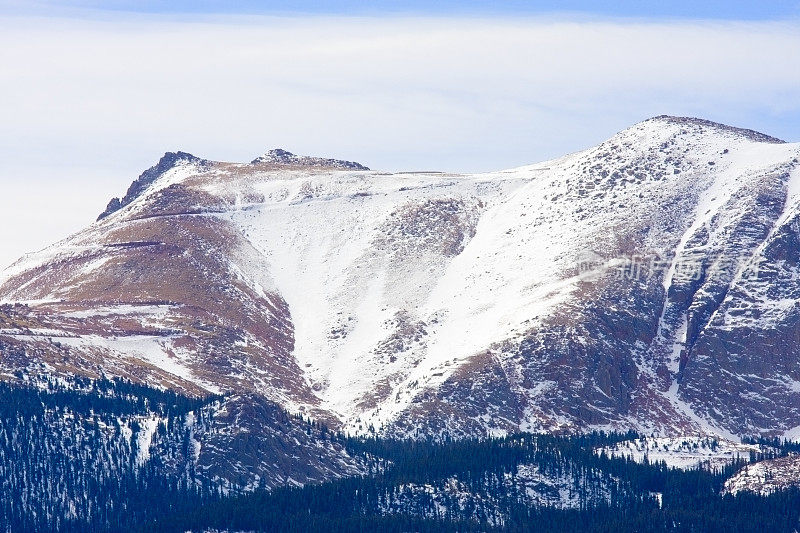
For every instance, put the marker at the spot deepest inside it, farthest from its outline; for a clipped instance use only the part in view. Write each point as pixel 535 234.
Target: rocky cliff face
pixel 649 282
pixel 279 156
pixel 138 187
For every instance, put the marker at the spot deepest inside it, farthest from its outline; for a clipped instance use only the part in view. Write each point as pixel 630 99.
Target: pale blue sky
pixel 92 93
pixel 709 9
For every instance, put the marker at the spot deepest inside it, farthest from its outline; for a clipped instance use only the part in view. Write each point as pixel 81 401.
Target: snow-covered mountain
pixel 650 282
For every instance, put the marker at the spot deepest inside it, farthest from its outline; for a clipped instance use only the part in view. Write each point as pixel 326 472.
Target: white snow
pixel 691 451
pixel 156 350
pixel 144 439
pixel 765 477
pixel 150 311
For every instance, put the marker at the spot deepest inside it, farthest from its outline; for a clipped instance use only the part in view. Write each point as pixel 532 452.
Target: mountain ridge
pixel 167 162
pixel 281 156
pixel 345 294
pixel 750 134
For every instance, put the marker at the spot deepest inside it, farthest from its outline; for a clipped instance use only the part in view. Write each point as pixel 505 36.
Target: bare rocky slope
pixel 766 477
pixel 647 283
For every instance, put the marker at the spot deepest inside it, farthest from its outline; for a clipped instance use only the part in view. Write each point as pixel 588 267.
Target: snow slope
pixel 566 295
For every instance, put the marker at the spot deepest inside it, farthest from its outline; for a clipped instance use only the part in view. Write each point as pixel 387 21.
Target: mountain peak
pixel 753 135
pixel 279 156
pixel 282 278
pixel 167 162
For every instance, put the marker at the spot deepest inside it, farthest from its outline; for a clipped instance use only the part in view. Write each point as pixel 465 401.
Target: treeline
pixel 70 460
pixel 619 494
pixel 70 456
pixel 87 396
